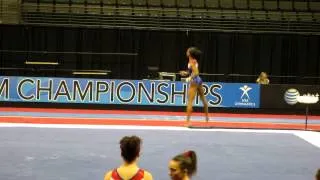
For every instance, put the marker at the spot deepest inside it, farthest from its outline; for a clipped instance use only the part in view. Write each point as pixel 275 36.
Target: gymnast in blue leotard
pixel 195 82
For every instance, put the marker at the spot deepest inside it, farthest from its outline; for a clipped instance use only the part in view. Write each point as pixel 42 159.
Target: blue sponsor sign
pixel 133 92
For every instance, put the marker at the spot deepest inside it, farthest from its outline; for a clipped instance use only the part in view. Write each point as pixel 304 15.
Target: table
pixel 308 99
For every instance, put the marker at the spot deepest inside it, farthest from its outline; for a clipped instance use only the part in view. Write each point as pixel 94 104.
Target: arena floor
pixel 69 144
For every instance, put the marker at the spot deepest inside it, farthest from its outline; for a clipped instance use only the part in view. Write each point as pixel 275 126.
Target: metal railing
pixel 25 52
pixel 209 77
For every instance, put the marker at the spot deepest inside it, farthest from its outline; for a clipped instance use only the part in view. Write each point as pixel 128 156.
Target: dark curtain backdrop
pixel 225 53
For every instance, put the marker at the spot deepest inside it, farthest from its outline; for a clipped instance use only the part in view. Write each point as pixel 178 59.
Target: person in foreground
pixel 318 175
pixel 129 170
pixel 193 55
pixel 183 166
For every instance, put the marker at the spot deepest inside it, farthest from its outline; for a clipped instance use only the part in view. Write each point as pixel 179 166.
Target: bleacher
pixel 296 16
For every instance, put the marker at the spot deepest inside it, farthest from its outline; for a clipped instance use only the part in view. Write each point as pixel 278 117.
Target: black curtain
pixel 224 53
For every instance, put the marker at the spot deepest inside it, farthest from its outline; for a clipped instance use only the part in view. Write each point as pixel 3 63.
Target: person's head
pixel 263 75
pixel 130 148
pixel 318 175
pixel 183 165
pixel 193 53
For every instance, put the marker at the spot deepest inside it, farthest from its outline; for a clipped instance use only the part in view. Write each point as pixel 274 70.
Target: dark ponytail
pixel 187 161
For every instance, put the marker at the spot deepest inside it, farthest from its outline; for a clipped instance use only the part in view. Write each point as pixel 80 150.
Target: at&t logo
pixel 291 96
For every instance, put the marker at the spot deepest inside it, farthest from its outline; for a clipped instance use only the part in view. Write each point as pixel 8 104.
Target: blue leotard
pixel 196 79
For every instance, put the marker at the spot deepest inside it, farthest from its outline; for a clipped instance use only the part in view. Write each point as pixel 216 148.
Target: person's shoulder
pixel 194 64
pixel 147 175
pixel 107 176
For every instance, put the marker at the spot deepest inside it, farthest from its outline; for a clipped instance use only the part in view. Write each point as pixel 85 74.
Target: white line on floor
pixel 310 136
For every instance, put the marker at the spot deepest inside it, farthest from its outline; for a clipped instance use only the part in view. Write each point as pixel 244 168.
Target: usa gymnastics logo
pixel 245 97
pixel 291 96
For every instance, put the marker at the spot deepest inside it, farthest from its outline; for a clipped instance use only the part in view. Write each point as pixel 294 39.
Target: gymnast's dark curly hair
pixel 195 53
pixel 187 161
pixel 130 148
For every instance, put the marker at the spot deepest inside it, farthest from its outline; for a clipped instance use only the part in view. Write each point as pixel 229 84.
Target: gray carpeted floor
pixel 85 154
